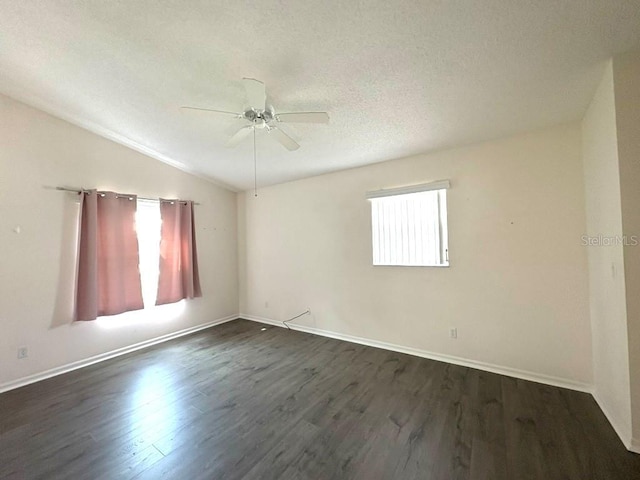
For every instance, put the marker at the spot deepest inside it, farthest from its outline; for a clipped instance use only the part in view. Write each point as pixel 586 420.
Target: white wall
pixel 517 288
pixel 606 262
pixel 37 265
pixel 627 95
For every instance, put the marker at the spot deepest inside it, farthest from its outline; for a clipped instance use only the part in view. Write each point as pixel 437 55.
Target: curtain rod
pixel 82 190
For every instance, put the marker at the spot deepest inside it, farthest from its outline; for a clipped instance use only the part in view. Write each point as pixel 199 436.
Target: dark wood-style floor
pixel 237 402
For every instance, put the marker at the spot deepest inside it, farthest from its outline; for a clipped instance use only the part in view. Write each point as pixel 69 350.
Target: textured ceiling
pixel 397 77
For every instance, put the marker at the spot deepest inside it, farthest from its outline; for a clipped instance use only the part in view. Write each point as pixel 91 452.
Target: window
pixel 126 261
pixel 148 229
pixel 409 225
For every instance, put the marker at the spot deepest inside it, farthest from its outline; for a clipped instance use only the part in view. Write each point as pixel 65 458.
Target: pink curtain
pixel 108 277
pixel 178 256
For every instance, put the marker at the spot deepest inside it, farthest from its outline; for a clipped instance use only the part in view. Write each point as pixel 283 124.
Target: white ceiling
pixel 397 77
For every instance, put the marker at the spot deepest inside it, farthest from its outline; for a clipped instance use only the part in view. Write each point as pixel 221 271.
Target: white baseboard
pixel 106 356
pixel 623 432
pixel 489 367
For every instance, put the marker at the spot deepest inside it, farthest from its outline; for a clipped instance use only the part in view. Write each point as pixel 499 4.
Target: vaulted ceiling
pixel 397 77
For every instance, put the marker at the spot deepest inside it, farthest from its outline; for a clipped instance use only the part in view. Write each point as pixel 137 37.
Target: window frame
pixel 440 188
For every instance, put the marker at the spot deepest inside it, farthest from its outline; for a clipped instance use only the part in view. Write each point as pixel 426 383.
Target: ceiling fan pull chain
pixel 255 165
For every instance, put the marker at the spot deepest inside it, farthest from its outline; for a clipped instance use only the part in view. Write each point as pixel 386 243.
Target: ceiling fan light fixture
pixel 267 115
pixel 251 115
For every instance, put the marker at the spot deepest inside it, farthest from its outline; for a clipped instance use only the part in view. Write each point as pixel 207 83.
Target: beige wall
pixel 627 93
pixel 517 288
pixel 606 262
pixel 37 265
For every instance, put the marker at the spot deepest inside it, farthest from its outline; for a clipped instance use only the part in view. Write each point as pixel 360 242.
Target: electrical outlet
pixel 453 332
pixel 23 352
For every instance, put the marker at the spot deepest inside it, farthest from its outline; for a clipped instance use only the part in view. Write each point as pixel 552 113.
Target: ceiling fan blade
pixel 303 117
pixel 288 142
pixel 256 94
pixel 239 136
pixel 211 110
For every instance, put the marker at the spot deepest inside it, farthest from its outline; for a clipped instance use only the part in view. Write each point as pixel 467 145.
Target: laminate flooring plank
pixel 556 436
pixel 525 456
pixel 591 430
pixel 284 453
pixel 488 452
pixel 457 439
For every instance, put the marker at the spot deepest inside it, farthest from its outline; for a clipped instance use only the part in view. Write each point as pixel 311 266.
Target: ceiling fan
pixel 263 116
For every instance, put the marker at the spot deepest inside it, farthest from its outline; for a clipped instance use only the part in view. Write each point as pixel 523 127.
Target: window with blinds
pixel 409 225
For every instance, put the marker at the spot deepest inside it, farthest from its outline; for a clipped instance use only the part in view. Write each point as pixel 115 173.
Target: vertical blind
pixel 409 228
